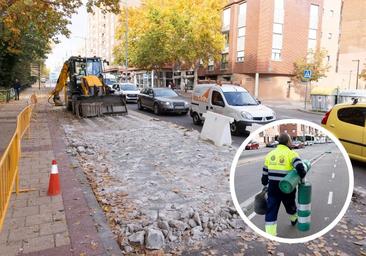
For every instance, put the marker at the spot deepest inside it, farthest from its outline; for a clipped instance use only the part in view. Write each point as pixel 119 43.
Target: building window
pixel 227 42
pixel 224 61
pixel 276 54
pixel 331 13
pixel 211 65
pixel 328 58
pixel 313 27
pixel 240 48
pixel 226 20
pixel 277 39
pixel 330 35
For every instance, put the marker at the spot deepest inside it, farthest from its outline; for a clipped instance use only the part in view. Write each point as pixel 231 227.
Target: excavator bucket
pixel 89 106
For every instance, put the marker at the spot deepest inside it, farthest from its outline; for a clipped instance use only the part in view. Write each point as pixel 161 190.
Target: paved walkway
pixel 8 117
pixel 68 224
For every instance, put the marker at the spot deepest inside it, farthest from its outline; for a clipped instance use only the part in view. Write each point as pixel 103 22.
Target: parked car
pixel 347 122
pixel 130 90
pixel 272 144
pixel 232 101
pixel 162 100
pixel 252 145
pixel 297 144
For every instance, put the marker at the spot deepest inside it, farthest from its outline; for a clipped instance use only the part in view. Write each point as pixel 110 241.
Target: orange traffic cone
pixel 54 185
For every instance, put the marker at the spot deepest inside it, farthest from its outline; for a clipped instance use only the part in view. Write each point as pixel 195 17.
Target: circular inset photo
pixel 291 181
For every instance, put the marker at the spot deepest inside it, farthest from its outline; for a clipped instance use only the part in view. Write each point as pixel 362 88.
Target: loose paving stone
pixel 154 239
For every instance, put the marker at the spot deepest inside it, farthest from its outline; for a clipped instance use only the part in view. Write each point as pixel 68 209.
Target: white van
pixel 232 101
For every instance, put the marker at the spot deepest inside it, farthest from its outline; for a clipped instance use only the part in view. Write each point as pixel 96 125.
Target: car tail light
pixel 325 118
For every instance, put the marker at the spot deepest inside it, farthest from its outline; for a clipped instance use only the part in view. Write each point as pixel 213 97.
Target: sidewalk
pixel 8 117
pixel 37 224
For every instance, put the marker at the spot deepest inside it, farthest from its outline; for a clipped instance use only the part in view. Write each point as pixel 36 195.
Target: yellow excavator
pixel 85 93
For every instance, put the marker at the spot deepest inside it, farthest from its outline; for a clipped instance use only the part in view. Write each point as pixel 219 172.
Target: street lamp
pixel 358 70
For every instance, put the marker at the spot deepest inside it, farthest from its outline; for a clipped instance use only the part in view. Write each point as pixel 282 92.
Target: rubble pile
pixel 158 183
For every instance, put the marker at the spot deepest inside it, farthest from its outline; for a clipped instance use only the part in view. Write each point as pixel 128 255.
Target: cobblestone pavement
pixel 154 178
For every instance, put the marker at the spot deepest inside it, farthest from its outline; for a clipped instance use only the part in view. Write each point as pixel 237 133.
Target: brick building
pixel 264 39
pixel 352 43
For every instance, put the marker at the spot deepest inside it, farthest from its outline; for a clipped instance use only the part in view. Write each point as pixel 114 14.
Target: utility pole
pixel 358 71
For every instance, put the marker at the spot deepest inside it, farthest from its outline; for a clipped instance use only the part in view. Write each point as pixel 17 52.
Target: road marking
pixel 249 201
pixel 330 197
pixel 333 175
pixel 315 159
pixel 251 216
pixel 245 161
pixel 335 166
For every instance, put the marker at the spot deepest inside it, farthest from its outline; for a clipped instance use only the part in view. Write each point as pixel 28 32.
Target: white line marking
pixel 335 166
pixel 248 160
pixel 251 216
pixel 249 201
pixel 313 163
pixel 330 197
pixel 333 175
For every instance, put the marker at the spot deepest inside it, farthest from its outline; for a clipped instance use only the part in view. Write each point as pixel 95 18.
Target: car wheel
pixel 156 109
pixel 139 106
pixel 234 128
pixel 196 119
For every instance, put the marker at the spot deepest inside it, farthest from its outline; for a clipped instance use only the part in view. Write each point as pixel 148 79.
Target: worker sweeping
pixel 278 163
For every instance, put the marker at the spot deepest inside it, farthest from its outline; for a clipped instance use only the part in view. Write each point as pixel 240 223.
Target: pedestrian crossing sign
pixel 307 74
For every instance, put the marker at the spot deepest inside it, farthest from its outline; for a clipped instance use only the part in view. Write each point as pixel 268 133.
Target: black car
pixel 162 100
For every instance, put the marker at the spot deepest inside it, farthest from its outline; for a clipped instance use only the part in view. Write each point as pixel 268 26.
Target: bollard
pixel 304 207
pixel 291 180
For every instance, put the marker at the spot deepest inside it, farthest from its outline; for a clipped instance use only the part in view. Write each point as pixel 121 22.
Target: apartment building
pixel 352 55
pixel 101 32
pixel 263 40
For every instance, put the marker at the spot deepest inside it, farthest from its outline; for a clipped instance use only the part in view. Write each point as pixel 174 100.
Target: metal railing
pixel 5 95
pixel 9 161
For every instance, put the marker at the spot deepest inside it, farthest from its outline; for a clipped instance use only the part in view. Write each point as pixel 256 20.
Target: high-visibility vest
pixel 279 162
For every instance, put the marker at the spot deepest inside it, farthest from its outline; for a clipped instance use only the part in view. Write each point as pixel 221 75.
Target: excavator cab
pixel 85 93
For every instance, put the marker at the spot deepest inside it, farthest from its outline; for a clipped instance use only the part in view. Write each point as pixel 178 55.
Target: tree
pixel 28 26
pixel 168 32
pixel 315 61
pixel 363 73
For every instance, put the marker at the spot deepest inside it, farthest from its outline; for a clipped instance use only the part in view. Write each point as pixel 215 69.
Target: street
pixel 328 176
pixel 86 169
pixel 186 121
pixel 282 113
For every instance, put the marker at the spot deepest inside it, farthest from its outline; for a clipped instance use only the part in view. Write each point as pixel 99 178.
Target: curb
pixel 311 112
pixel 80 204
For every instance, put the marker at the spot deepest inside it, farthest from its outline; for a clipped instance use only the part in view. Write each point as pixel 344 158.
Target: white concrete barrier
pixel 217 128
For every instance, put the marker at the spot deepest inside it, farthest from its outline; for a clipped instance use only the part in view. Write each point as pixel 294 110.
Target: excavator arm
pixel 61 84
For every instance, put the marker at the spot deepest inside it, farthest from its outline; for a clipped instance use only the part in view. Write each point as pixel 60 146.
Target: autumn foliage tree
pixel 363 73
pixel 28 26
pixel 315 61
pixel 171 32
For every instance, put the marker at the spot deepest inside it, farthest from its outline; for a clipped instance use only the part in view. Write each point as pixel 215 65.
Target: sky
pixel 69 46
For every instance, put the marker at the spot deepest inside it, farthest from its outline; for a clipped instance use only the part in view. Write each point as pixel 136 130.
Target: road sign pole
pixel 307 75
pixel 306 94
